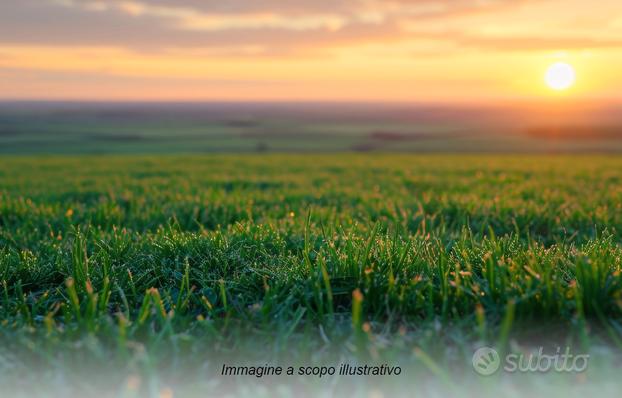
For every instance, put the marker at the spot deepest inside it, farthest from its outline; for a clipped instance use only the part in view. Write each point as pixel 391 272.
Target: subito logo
pixel 486 361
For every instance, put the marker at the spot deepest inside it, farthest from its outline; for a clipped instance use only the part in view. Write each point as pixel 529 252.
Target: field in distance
pixel 101 128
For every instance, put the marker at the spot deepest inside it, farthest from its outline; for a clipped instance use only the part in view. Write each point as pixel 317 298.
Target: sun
pixel 560 76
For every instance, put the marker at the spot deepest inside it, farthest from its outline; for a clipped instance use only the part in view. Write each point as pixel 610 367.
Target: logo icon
pixel 486 361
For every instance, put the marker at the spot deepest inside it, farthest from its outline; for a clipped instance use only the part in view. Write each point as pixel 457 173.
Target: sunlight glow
pixel 560 76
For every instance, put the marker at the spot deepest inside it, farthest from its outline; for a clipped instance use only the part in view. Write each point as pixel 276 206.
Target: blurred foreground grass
pixel 157 265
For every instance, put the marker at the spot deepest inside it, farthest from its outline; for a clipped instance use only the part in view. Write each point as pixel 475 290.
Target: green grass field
pixel 163 268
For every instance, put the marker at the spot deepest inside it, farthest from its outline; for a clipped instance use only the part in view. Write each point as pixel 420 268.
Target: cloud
pixel 299 7
pixel 534 43
pixel 188 23
pixel 145 26
pixel 264 26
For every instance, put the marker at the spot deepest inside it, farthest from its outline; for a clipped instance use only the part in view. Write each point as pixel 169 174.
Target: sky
pixel 308 50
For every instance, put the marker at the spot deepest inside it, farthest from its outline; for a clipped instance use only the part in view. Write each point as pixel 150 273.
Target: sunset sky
pixel 395 50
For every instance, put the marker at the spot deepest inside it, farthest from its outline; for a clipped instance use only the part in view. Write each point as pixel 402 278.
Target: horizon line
pixel 555 102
